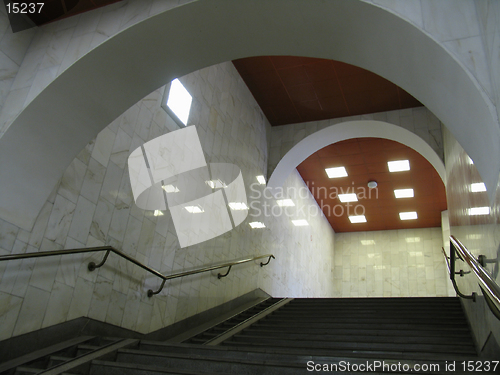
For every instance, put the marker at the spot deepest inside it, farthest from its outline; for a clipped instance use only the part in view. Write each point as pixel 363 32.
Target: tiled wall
pixel 44 53
pixel 418 120
pixel 13 48
pixel 93 205
pixel 480 234
pixel 393 263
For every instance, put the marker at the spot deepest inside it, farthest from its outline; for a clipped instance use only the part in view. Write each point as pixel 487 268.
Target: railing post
pixel 92 266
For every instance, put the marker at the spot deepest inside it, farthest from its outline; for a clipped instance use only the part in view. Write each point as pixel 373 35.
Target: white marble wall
pixel 468 29
pixel 480 234
pixel 13 47
pixel 418 120
pixel 93 205
pixel 393 263
pixel 56 46
pixel 304 264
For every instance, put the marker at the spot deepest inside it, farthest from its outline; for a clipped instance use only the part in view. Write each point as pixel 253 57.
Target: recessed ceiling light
pixel 194 209
pixel 261 179
pixel 158 213
pixel 412 215
pixel 367 242
pixel 285 203
pixel 170 188
pixel 257 225
pixel 399 165
pixel 357 219
pixel 238 206
pixel 336 172
pixel 478 211
pixel 348 197
pixel 477 187
pixel 179 100
pixel 300 223
pixel 403 193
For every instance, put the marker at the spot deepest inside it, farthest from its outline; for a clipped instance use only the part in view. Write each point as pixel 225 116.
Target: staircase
pixel 383 335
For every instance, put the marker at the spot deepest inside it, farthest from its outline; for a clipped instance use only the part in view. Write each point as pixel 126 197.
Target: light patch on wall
pixel 474 211
pixel 478 187
pixel 367 242
pixel 285 203
pixel 412 239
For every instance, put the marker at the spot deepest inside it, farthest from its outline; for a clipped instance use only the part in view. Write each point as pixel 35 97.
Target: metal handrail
pixel 452 275
pixel 108 249
pixel 490 289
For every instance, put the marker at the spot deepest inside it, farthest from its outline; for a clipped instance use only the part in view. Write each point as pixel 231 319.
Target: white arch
pixel 349 130
pixel 63 118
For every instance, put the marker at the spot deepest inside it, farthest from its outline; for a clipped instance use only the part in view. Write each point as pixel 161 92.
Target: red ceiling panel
pixel 342 89
pixel 380 205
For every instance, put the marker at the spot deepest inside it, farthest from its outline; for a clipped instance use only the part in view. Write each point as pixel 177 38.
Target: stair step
pixel 359 346
pixel 207 363
pixel 401 338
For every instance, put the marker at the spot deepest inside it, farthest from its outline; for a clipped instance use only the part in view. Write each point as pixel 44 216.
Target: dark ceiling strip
pixel 288 94
pixel 340 86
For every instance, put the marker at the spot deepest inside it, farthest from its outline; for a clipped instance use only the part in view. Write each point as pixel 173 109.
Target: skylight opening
pixel 357 219
pixel 398 165
pixel 336 172
pixel 404 193
pixel 179 101
pixel 412 215
pixel 300 223
pixel 344 198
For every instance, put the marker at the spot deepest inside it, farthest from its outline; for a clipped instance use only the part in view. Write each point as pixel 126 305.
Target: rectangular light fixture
pixel 477 187
pixel 194 209
pixel 238 206
pixel 285 203
pixel 478 211
pixel 158 213
pixel 170 188
pixel 357 219
pixel 403 193
pixel 367 242
pixel 398 165
pixel 256 225
pixel 352 197
pixel 261 179
pixel 336 172
pixel 412 215
pixel 300 223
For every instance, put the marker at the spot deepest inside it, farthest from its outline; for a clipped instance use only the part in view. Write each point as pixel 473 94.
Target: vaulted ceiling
pixel 299 89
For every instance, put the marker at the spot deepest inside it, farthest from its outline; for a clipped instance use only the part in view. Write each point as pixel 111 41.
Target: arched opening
pixel 49 133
